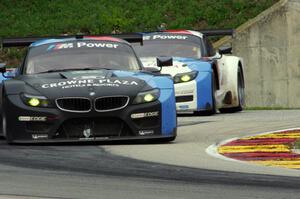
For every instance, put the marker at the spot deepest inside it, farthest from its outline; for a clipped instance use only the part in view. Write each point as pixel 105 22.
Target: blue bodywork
pixel 163 83
pixel 203 79
pixel 202 66
pixel 167 97
pixel 2 78
pixel 8 74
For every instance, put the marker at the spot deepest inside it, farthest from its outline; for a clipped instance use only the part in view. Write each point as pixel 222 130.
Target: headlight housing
pixel 185 77
pixel 35 101
pixel 146 96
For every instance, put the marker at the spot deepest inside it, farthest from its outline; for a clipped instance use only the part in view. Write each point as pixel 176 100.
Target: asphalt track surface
pixel 125 170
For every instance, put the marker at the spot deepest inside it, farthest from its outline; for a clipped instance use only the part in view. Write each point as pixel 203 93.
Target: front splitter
pixel 99 139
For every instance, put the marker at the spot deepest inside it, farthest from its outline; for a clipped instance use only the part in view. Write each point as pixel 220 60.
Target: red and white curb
pixel 270 149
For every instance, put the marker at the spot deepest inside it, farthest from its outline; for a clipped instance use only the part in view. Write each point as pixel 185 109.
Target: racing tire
pixel 4 129
pixel 214 108
pixel 1 125
pixel 241 95
pixel 7 136
pixel 1 116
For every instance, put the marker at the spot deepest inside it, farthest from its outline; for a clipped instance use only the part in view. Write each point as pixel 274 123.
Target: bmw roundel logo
pixel 92 93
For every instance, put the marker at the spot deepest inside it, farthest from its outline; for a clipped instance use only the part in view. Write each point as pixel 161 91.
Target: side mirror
pixel 7 73
pixel 225 50
pixel 2 68
pixel 164 61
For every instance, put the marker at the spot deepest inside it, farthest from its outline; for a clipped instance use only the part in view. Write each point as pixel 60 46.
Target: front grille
pixel 111 103
pixel 74 104
pixel 187 98
pixel 92 128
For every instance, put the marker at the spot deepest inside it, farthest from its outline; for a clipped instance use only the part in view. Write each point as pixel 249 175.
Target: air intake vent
pixel 93 127
pixel 74 104
pixel 187 98
pixel 111 103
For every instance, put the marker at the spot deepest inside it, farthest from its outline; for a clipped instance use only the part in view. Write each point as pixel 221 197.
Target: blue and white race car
pixel 85 89
pixel 205 80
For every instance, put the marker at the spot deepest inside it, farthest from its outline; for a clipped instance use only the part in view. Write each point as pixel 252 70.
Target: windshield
pixel 81 55
pixel 160 45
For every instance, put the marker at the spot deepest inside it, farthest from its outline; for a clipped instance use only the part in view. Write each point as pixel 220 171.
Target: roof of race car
pixel 187 32
pixel 98 38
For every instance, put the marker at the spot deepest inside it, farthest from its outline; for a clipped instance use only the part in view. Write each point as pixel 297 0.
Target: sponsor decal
pixel 60 46
pixel 96 45
pixel 89 82
pixel 86 72
pixel 39 136
pixel 94 138
pixel 165 37
pixel 87 132
pixel 184 92
pixel 32 118
pixel 146 132
pixel 102 138
pixel 143 115
pixel 89 77
pixel 89 138
pixel 183 106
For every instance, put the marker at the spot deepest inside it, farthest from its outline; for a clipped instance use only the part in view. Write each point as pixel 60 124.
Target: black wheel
pixel 213 109
pixel 7 136
pixel 1 116
pixel 4 129
pixel 241 95
pixel 1 124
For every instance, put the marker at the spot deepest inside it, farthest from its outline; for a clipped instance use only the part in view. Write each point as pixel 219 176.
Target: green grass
pixel 53 17
pixel 296 145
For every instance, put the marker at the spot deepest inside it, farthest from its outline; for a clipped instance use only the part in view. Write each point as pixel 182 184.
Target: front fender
pixel 228 66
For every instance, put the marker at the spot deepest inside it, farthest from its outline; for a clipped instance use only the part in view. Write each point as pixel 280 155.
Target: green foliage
pixel 296 145
pixel 53 17
pixel 48 17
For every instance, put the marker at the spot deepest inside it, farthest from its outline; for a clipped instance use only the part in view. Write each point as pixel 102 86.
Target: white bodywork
pixel 228 82
pixel 227 74
pixel 182 89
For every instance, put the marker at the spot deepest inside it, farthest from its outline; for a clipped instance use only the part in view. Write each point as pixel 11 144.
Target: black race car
pixel 88 88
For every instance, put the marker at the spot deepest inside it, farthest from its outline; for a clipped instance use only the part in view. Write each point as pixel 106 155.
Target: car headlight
pixel 35 101
pixel 147 96
pixel 185 77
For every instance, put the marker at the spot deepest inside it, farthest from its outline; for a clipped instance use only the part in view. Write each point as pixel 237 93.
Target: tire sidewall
pixel 241 89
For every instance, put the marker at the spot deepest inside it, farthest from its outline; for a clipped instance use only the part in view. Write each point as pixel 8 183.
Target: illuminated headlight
pixel 35 101
pixel 147 96
pixel 185 77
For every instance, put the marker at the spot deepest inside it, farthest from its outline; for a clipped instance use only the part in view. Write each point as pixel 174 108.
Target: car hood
pixel 83 84
pixel 180 65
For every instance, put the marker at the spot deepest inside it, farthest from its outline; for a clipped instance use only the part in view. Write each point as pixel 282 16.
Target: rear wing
pixel 26 41
pixel 217 32
pixel 206 32
pixel 129 37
